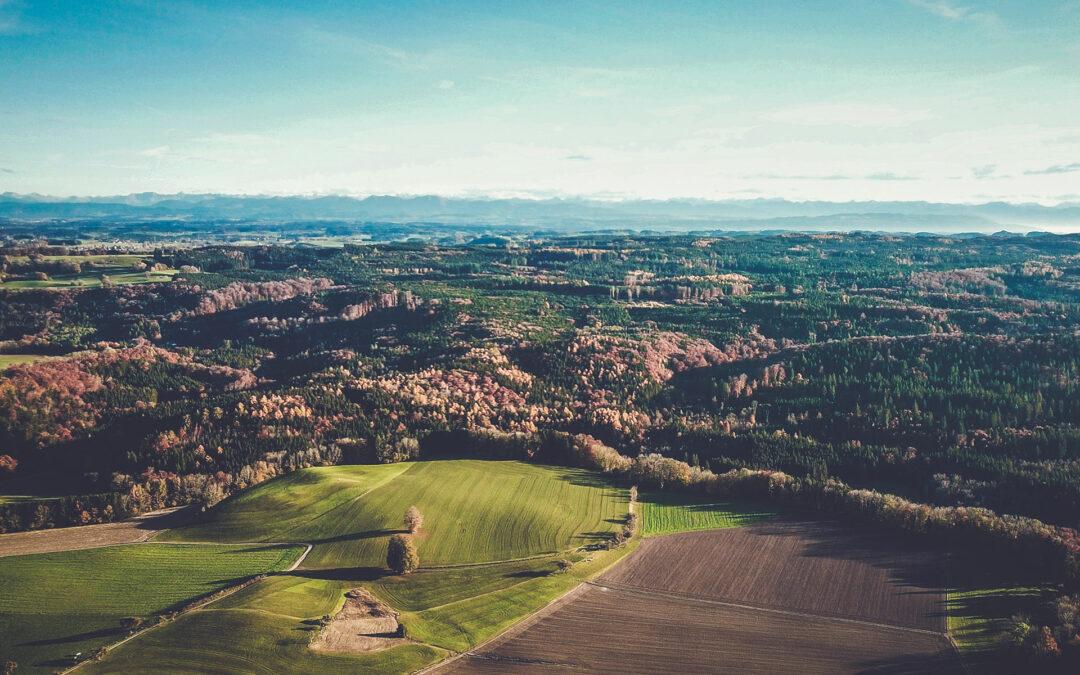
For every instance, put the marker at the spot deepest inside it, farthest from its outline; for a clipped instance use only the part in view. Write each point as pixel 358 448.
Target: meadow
pixel 56 604
pixel 476 514
pixel 7 360
pixel 671 512
pixel 475 511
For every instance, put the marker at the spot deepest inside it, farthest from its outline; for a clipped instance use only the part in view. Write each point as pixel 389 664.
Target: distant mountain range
pixel 557 214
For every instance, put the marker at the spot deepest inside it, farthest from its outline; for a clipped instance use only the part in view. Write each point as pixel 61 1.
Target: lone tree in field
pixel 413 519
pixel 401 555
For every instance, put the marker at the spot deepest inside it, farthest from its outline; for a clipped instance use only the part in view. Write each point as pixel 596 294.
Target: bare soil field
pixel 618 631
pixel 818 567
pixel 90 536
pixel 782 596
pixel 363 625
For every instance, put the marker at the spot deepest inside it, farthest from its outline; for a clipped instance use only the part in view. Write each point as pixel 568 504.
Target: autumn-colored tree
pixel 10 667
pixel 413 519
pixel 401 555
pixel 8 463
pixel 1045 646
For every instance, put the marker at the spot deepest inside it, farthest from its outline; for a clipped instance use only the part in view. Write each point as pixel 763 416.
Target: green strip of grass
pixel 979 618
pixel 670 512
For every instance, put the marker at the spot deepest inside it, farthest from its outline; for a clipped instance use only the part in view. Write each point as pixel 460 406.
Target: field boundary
pixel 532 618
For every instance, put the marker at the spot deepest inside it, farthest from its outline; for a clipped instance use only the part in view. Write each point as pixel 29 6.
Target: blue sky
pixel 965 100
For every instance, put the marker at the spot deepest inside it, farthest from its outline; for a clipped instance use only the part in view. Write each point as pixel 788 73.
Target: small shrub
pixel 564 565
pixel 413 519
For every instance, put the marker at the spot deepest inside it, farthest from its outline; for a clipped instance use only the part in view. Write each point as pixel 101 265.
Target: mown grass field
pixel 671 512
pixel 474 511
pixel 55 604
pixel 264 628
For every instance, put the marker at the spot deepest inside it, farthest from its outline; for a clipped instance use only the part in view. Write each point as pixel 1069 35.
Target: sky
pixel 937 100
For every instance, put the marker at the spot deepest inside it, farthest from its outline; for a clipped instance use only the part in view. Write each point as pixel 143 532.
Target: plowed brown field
pixel 621 631
pixel 781 596
pixel 809 566
pixel 131 531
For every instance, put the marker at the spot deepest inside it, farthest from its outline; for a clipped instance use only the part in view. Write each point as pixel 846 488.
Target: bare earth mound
pixel 363 625
pixel 781 596
pixel 131 531
pixel 818 567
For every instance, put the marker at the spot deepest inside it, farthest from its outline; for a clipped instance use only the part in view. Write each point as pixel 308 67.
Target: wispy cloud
pixel 1057 168
pixel 578 158
pixel 848 115
pixel 954 12
pixel 884 175
pixel 446 84
pixel 889 175
pixel 986 171
pixel 6 170
pixel 11 20
pixel 156 152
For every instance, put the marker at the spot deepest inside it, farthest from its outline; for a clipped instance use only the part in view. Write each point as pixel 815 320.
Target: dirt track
pixel 90 536
pixel 779 596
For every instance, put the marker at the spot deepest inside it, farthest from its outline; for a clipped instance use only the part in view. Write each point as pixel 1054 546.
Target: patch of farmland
pixel 474 511
pixel 670 512
pixel 130 531
pixel 56 604
pixel 616 631
pixel 817 567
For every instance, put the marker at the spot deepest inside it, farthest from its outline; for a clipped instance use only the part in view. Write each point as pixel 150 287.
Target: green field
pixel 55 604
pixel 474 511
pixel 91 279
pixel 670 512
pixel 7 360
pixel 263 628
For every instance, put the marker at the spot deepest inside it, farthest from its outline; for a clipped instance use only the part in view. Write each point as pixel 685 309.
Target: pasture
pixel 474 511
pixel 492 533
pixel 55 604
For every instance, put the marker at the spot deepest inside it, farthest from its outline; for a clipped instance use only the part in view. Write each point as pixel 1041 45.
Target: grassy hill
pixel 474 512
pixel 55 604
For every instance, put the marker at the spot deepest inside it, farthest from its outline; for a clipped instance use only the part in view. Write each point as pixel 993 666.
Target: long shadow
pixel 344 574
pixel 353 536
pixel 78 637
pixel 944 661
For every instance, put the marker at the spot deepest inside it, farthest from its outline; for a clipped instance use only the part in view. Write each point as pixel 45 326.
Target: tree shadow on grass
pixel 344 574
pixel 354 536
pixel 78 637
